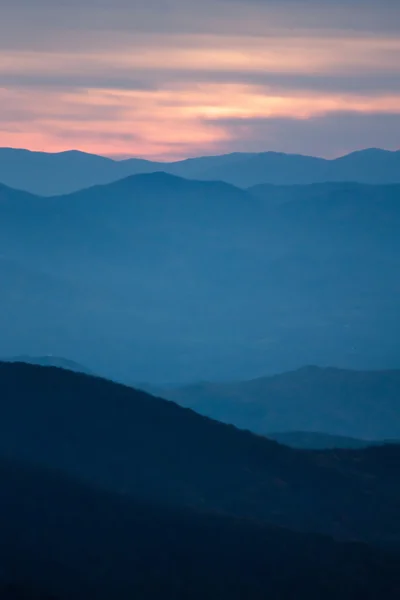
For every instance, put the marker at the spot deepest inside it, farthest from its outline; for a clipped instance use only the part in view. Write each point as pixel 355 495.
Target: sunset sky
pixel 166 79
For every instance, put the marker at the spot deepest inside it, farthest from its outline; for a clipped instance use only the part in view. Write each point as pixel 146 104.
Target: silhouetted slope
pixel 326 400
pixel 79 542
pixel 131 442
pixel 15 590
pixel 322 441
pixel 65 172
pixel 49 361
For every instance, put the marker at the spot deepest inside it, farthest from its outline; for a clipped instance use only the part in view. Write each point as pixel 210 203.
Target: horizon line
pixel 123 157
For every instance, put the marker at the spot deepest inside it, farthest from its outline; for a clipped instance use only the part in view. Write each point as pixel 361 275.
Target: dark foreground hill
pixel 65 172
pixel 77 542
pixel 364 404
pixel 158 278
pixel 133 443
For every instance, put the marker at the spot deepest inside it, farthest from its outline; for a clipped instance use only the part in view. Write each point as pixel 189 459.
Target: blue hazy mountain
pixel 64 172
pixel 158 278
pixel 331 401
pixel 371 166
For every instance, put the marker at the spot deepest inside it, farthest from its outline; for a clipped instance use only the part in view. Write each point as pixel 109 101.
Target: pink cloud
pixel 179 89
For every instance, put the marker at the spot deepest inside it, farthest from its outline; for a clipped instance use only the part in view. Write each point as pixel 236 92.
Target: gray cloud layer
pixel 330 135
pixel 81 30
pixel 254 17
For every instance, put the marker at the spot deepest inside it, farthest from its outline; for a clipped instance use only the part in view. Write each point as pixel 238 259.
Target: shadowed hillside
pixel 131 442
pixel 76 541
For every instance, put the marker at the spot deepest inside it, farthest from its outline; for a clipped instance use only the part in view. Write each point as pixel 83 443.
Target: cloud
pixel 173 122
pixel 305 63
pixel 171 78
pixel 53 24
pixel 329 135
pixel 347 15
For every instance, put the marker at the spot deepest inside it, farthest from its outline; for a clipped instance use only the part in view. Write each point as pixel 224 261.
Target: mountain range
pixel 158 278
pixel 244 485
pixel 50 174
pixel 137 445
pixel 326 400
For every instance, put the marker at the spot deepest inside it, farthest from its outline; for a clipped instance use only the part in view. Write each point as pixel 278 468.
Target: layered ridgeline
pixel 341 402
pixel 63 539
pixel 49 361
pixel 157 278
pixel 345 402
pixel 137 445
pixel 64 172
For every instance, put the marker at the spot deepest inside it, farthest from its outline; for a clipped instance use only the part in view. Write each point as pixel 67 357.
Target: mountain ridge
pixel 201 278
pixel 130 442
pixel 65 172
pixel 48 361
pixel 327 400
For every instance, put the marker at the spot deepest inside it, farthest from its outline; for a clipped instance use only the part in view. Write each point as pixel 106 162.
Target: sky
pixel 168 79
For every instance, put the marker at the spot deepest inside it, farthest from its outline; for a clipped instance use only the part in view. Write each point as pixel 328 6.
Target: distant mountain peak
pixel 372 150
pixel 156 176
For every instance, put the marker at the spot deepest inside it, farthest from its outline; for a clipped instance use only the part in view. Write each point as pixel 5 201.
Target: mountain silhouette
pixel 132 443
pixel 325 400
pixel 64 172
pixel 74 540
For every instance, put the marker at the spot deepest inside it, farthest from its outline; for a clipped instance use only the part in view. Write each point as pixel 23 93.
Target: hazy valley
pixel 174 280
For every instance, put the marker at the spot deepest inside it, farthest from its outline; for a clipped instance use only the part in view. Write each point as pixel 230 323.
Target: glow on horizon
pixel 171 96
